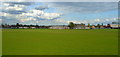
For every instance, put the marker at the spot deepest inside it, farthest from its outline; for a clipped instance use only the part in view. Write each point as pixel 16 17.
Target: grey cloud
pixel 84 7
pixel 9 20
pixel 20 3
pixel 60 0
pixel 65 7
pixel 41 8
pixel 13 11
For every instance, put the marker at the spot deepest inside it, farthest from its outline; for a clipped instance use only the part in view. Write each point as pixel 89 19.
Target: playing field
pixel 60 42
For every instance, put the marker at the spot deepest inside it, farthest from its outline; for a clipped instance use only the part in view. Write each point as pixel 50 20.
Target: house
pixel 79 26
pixel 87 27
pixel 25 27
pixel 115 26
pixel 101 27
pixel 59 27
pixel 20 27
pixel 93 27
pixel 32 27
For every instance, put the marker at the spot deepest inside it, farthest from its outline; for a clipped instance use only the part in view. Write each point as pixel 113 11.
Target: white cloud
pixel 5 14
pixel 60 21
pixel 37 12
pixel 0 20
pixel 97 20
pixel 16 7
pixel 50 15
pixel 67 22
pixel 41 14
pixel 28 19
pixel 12 8
pixel 83 7
pixel 59 0
pixel 24 17
pixel 108 20
pixel 87 21
pixel 5 4
pixel 115 18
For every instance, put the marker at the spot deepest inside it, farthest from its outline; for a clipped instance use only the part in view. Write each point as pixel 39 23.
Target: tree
pixel 17 25
pixel 102 24
pixel 71 25
pixel 108 25
pixel 98 25
pixel 88 24
pixel 114 23
pixel 36 26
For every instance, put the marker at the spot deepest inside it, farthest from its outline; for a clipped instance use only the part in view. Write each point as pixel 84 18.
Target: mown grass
pixel 60 42
pixel 0 42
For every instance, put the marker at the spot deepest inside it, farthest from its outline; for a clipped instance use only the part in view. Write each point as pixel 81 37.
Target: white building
pixel 32 27
pixel 79 26
pixel 59 27
pixel 115 25
pixel 87 27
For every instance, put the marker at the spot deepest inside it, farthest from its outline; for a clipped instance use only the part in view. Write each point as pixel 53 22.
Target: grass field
pixel 0 42
pixel 60 42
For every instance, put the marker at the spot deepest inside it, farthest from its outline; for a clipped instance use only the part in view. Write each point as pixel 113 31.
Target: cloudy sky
pixel 58 13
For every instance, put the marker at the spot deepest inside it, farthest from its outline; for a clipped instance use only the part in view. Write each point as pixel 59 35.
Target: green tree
pixel 98 25
pixel 17 25
pixel 114 23
pixel 88 24
pixel 102 24
pixel 71 25
pixel 108 25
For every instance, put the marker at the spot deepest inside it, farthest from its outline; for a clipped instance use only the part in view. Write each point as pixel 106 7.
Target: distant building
pixel 115 26
pixel 32 27
pixel 93 27
pixel 101 27
pixel 59 27
pixel 79 26
pixel 87 27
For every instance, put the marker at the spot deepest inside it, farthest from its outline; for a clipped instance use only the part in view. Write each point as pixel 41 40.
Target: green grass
pixel 60 42
pixel 0 42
